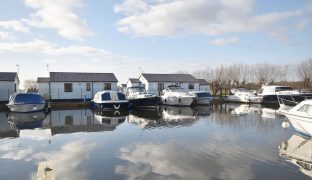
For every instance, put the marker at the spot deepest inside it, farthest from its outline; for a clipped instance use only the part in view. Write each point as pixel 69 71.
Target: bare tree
pixel 31 85
pixel 304 72
pixel 265 73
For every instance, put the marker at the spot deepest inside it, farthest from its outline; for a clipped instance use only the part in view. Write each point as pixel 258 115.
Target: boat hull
pixel 302 124
pixel 110 106
pixel 273 99
pixel 150 102
pixel 177 101
pixel 26 107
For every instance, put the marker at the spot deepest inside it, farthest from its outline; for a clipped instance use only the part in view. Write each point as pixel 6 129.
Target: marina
pixel 203 142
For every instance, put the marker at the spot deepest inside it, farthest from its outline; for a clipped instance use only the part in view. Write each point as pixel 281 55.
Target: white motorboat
pixel 202 97
pixel 300 117
pixel 175 95
pixel 109 100
pixel 26 102
pixel 242 95
pixel 139 97
pixel 298 151
pixel 271 94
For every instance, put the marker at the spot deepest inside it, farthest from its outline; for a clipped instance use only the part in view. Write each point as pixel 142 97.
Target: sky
pixel 127 37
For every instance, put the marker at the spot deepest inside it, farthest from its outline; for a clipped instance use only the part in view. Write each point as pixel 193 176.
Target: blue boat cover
pixel 28 99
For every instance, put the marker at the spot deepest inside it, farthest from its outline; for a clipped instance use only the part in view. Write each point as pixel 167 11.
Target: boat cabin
pixel 109 96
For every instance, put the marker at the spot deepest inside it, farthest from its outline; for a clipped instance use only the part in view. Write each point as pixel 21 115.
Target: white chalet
pixel 9 84
pixel 204 85
pixel 77 86
pixel 157 82
pixel 44 87
pixel 133 82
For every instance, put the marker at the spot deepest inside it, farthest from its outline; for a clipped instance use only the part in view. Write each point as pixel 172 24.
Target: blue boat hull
pixel 150 102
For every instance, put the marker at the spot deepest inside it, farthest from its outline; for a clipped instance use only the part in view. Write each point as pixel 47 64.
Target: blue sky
pixel 160 36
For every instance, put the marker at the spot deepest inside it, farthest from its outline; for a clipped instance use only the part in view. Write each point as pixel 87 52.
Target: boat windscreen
pixel 28 99
pixel 121 96
pixel 203 94
pixel 106 96
pixel 283 88
pixel 137 89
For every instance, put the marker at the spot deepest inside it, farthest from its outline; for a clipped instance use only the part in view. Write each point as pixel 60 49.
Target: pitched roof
pixel 169 77
pixel 43 79
pixel 203 82
pixel 8 76
pixel 134 80
pixel 82 77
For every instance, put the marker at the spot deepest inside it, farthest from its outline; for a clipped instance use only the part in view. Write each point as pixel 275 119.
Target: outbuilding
pixel 79 86
pixel 157 82
pixel 204 85
pixel 9 84
pixel 132 82
pixel 44 87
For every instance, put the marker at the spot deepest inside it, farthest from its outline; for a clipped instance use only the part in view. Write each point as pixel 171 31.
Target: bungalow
pixel 9 84
pixel 44 87
pixel 133 82
pixel 77 86
pixel 158 82
pixel 204 85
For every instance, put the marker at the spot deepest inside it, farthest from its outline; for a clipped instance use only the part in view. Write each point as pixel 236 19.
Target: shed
pixel 133 82
pixel 204 85
pixel 9 84
pixel 79 86
pixel 44 87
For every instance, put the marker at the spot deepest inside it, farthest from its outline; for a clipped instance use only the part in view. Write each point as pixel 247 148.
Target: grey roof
pixel 134 80
pixel 203 82
pixel 43 79
pixel 8 76
pixel 169 77
pixel 82 77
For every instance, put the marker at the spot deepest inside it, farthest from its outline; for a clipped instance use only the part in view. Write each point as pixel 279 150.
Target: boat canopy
pixel 203 94
pixel 28 98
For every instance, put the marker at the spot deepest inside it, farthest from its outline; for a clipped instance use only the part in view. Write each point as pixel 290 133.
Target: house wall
pixel 44 89
pixel 7 88
pixel 129 84
pixel 79 90
pixel 204 88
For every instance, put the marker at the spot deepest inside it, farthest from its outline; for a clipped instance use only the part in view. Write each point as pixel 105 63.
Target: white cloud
pixel 59 15
pixel 15 25
pixel 6 35
pixel 209 17
pixel 225 41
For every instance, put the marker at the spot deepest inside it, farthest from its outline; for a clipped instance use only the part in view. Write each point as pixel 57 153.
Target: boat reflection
pixel 31 120
pixel 6 129
pixel 298 151
pixel 168 116
pixel 84 120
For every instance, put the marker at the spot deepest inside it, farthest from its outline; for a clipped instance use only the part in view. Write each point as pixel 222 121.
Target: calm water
pixel 225 142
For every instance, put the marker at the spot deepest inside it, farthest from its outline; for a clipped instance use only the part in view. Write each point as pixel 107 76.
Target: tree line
pixel 252 76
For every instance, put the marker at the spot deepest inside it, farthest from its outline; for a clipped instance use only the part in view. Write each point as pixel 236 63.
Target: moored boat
pixel 140 98
pixel 109 100
pixel 177 96
pixel 26 102
pixel 300 117
pixel 242 95
pixel 202 97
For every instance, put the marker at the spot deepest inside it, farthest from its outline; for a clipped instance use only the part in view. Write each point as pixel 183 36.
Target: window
pixel 68 87
pixel 69 120
pixel 88 87
pixel 106 96
pixel 121 96
pixel 191 86
pixel 107 86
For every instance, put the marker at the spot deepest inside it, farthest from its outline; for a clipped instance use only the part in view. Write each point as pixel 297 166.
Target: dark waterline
pixel 224 142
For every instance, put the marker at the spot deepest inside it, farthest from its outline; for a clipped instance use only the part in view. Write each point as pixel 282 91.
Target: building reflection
pixel 298 151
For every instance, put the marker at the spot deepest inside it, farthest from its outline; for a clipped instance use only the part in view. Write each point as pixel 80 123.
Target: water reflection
pixel 298 151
